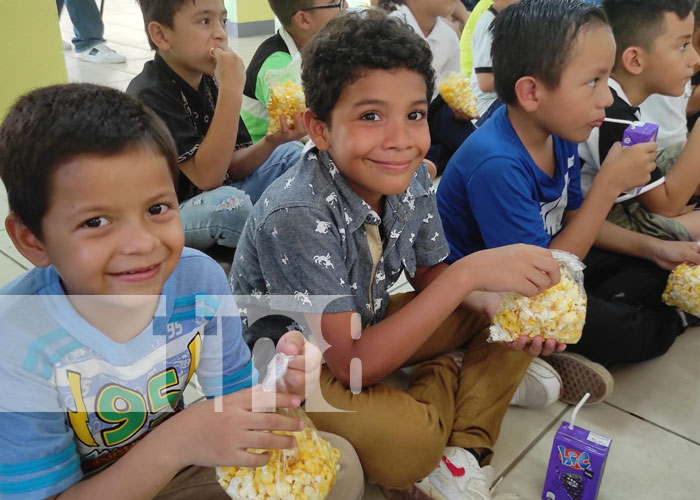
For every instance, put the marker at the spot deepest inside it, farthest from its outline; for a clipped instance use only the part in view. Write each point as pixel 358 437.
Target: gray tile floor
pixel 653 416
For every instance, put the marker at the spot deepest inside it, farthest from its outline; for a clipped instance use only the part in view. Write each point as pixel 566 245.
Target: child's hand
pixel 230 69
pixel 536 346
pixel 525 269
pixel 219 438
pixel 628 168
pixel 304 368
pixel 669 254
pixel 286 134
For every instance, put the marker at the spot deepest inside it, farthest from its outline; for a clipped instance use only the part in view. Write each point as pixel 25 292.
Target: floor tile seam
pixel 529 447
pixel 655 424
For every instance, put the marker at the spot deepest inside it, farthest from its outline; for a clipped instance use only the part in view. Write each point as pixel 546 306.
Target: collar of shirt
pixel 617 88
pixel 289 41
pixel 358 211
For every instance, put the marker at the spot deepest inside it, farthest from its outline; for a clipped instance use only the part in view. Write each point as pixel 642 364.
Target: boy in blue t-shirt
pixel 517 180
pixel 103 336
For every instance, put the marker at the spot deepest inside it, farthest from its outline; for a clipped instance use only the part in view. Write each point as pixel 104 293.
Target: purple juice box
pixel 576 464
pixel 639 132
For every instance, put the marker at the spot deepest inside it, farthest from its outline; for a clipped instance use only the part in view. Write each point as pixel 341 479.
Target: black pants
pixel 625 319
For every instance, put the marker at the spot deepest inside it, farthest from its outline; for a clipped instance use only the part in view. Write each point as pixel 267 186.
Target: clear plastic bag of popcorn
pixel 457 93
pixel 559 312
pixel 286 95
pixel 683 289
pixel 306 472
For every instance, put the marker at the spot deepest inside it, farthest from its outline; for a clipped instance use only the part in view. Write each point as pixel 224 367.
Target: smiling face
pixel 577 104
pixel 113 227
pixel 671 61
pixel 378 132
pixel 197 28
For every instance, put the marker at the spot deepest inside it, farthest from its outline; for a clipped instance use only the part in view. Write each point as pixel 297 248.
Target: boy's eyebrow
pixel 201 12
pixel 374 102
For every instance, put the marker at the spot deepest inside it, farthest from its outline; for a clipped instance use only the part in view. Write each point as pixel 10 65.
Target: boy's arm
pixel 388 344
pixel 670 198
pixel 210 164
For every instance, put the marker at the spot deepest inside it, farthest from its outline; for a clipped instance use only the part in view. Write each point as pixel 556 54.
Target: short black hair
pixel 353 43
pixel 48 127
pixel 160 11
pixel 535 38
pixel 638 23
pixel 284 10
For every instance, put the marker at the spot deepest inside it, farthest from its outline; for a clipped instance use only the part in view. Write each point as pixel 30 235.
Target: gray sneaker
pixel 580 375
pixel 100 54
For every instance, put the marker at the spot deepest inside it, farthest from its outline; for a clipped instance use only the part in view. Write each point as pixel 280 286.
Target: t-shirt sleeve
pixel 502 201
pixel 302 253
pixel 38 457
pixel 225 365
pixel 481 45
pixel 187 138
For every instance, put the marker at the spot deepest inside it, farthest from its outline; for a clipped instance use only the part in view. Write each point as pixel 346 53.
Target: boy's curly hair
pixel 160 11
pixel 50 126
pixel 353 43
pixel 535 38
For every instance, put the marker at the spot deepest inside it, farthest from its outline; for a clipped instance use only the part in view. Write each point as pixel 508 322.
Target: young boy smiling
pixel 107 331
pixel 355 213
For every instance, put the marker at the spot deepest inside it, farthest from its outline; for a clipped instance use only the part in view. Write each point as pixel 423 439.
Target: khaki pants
pixel 400 436
pixel 200 482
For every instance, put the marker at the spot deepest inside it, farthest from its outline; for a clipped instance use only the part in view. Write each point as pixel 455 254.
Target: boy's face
pixel 197 28
pixel 113 227
pixel 378 133
pixel 322 11
pixel 577 104
pixel 672 59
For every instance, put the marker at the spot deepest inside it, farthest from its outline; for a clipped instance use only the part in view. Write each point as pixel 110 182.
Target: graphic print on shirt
pixel 552 212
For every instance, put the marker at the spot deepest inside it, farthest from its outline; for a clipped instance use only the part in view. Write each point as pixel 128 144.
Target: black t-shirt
pixel 187 112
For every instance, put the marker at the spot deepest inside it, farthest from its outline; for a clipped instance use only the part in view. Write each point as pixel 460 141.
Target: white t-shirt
pixel 669 114
pixel 481 50
pixel 443 42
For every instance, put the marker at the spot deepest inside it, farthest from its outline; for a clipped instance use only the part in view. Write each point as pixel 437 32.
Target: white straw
pixel 577 408
pixel 616 120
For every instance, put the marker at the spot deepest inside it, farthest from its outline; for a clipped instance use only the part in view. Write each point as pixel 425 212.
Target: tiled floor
pixel 653 416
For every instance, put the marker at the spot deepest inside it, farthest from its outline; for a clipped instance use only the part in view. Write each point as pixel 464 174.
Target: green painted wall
pixel 30 48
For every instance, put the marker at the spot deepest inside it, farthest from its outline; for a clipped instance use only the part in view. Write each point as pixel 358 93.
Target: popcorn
pixel 286 98
pixel 306 472
pixel 457 93
pixel 683 289
pixel 559 312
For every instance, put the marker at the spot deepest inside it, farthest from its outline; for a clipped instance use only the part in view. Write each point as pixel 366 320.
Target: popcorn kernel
pixel 286 99
pixel 458 95
pixel 683 289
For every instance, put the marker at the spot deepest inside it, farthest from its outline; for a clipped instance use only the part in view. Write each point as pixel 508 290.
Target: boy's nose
pixel 136 238
pixel 606 98
pixel 397 135
pixel 694 57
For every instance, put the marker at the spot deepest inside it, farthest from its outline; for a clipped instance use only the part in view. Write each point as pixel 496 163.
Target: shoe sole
pixel 579 376
pixel 413 494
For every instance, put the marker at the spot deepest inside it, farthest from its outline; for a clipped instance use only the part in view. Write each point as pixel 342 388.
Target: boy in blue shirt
pixel 346 222
pixel 103 336
pixel 517 180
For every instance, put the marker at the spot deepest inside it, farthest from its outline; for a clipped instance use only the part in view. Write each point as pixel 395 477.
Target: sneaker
pixel 66 45
pixel 541 386
pixel 457 477
pixel 101 54
pixel 580 375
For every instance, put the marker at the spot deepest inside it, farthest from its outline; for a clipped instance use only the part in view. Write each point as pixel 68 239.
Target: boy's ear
pixel 158 35
pixel 317 130
pixel 526 92
pixel 301 20
pixel 632 60
pixel 26 242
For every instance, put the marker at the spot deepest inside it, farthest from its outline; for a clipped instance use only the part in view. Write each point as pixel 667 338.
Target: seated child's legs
pixel 633 216
pixel 281 159
pixel 447 133
pixel 215 217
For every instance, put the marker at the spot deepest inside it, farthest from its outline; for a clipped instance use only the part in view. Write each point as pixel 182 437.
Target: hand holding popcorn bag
pixel 286 95
pixel 683 289
pixel 559 312
pixel 457 93
pixel 306 472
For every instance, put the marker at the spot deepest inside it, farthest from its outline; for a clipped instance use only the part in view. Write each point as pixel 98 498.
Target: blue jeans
pixel 87 23
pixel 218 216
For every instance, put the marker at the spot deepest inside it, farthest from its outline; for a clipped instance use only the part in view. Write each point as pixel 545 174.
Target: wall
pixel 249 18
pixel 30 48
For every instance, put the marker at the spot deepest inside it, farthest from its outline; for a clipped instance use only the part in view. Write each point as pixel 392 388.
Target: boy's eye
pixel 593 82
pixel 684 46
pixel 158 209
pixel 96 222
pixel 416 115
pixel 205 20
pixel 371 116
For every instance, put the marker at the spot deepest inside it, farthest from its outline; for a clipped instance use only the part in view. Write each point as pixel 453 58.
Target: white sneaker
pixel 66 45
pixel 101 54
pixel 541 386
pixel 457 477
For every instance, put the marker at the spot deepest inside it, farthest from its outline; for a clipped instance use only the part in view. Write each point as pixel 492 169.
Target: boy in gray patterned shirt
pixel 356 212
